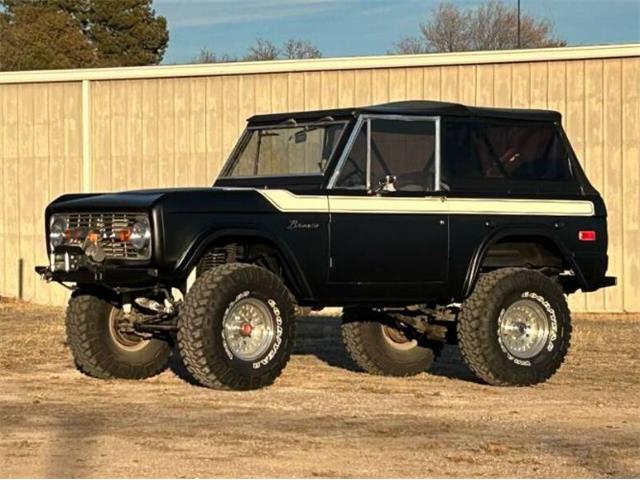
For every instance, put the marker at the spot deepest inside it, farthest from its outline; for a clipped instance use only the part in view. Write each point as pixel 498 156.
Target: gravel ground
pixel 322 418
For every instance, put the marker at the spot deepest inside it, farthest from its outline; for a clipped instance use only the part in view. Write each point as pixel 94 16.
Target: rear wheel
pixel 101 348
pixel 382 348
pixel 515 328
pixel 237 327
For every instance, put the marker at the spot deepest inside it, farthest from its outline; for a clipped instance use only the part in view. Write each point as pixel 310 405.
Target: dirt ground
pixel 321 418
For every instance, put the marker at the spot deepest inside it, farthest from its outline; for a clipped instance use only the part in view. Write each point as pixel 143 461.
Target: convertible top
pixel 415 107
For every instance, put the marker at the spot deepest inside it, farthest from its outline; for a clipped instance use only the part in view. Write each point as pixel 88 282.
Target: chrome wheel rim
pixel 248 329
pixel 125 341
pixel 524 328
pixel 397 339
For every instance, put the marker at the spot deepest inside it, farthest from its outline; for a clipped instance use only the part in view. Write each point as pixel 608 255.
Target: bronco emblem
pixel 297 225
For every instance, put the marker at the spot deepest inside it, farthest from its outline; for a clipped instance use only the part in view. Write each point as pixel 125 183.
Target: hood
pixel 171 200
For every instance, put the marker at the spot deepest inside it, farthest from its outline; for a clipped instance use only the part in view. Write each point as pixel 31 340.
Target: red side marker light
pixel 587 235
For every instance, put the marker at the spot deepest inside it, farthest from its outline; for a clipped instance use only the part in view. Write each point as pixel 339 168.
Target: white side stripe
pixel 286 201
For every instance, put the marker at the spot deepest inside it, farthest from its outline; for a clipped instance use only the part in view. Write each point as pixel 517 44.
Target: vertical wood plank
pixel 521 87
pixel 502 85
pixel 295 92
pixel 101 136
pixel 57 157
pixel 166 132
pixel 432 83
pixel 397 84
pixel 4 242
pixel 230 105
pixel 613 175
pixel 380 86
pixel 26 191
pixel 182 159
pixel 575 126
pixel 346 89
pixel 214 122
pixel 484 85
pixel 467 84
pixel 119 113
pixel 539 84
pixel 363 88
pixel 312 88
pixel 594 146
pixel 415 84
pixel 279 92
pixel 631 183
pixel 556 95
pixel 41 178
pixel 11 160
pixel 449 87
pixel 150 138
pixel 198 125
pixel 135 170
pixel 329 89
pixel 73 135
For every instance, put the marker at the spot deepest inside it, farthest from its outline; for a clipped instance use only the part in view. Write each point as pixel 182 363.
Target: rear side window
pixel 512 152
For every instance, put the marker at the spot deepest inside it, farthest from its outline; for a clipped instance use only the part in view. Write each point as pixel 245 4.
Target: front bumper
pixel 111 276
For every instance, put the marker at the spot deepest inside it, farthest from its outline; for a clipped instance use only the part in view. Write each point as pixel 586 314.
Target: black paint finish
pixel 346 258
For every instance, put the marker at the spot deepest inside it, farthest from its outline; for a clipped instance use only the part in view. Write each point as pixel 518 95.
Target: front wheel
pixel 382 348
pixel 515 328
pixel 237 327
pixel 102 349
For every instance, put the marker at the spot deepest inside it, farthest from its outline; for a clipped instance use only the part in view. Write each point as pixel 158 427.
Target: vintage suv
pixel 427 222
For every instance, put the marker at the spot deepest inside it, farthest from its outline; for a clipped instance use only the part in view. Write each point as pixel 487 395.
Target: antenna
pixel 519 24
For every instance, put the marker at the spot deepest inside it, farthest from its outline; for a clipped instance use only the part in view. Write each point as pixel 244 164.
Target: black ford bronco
pixel 428 223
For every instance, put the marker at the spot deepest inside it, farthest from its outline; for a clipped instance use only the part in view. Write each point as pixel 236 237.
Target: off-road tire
pixel 200 327
pixel 478 325
pixel 370 348
pixel 97 354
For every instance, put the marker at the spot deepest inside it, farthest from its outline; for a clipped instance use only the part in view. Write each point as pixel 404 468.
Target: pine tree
pixel 42 34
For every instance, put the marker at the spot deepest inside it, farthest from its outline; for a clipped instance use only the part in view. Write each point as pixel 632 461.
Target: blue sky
pixel 364 27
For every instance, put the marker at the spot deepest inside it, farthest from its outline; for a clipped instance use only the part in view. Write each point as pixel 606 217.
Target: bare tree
pixel 262 50
pixel 300 49
pixel 409 46
pixel 490 26
pixel 209 56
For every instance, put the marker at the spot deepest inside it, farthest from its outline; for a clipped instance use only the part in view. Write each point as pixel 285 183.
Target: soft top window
pixel 512 152
pixel 404 149
pixel 291 149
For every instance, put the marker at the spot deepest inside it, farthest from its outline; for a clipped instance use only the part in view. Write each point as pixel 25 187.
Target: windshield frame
pixel 234 157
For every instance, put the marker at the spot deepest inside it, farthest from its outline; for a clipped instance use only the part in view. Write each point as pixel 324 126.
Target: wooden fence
pixel 116 129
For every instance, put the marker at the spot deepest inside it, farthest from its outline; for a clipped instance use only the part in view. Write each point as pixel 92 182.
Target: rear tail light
pixel 587 235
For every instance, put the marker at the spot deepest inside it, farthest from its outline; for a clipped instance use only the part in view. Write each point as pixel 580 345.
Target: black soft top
pixel 415 107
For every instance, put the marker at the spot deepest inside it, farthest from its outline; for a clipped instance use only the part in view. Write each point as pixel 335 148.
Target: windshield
pixel 300 149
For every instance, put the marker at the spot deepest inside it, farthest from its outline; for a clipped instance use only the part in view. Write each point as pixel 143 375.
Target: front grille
pixel 108 226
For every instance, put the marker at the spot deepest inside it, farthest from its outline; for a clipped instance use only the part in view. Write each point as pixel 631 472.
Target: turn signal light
pixel 587 235
pixel 124 235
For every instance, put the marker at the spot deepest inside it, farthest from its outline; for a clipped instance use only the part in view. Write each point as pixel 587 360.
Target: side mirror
pixel 386 184
pixel 301 136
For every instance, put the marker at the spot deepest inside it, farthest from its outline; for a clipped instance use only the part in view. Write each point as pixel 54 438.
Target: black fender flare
pixel 199 247
pixel 499 234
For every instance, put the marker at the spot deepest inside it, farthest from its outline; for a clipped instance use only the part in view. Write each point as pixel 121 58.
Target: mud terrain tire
pixel 500 323
pixel 221 313
pixel 379 351
pixel 96 349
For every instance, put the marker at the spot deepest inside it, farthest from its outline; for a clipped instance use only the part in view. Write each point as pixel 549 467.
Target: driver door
pixel 389 235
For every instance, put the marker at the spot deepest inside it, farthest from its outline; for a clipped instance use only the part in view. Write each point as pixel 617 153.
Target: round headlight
pixel 57 231
pixel 140 235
